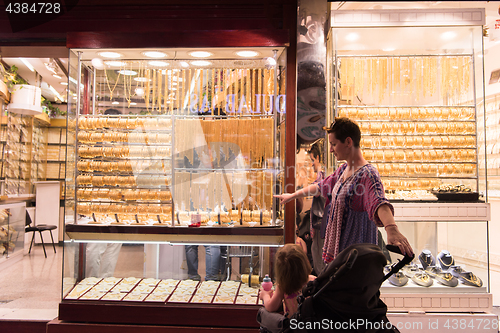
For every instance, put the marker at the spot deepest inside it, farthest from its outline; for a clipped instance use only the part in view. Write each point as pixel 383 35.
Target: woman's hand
pixel 395 237
pixel 285 197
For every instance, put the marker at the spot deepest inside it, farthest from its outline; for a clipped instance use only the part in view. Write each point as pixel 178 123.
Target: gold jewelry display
pixel 415 75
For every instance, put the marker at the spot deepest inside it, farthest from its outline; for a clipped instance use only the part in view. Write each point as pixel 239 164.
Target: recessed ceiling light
pixel 111 55
pixel 115 63
pixel 141 79
pixel 158 63
pixel 448 35
pixel 97 63
pixel 389 49
pixel 57 76
pixel 27 64
pixel 133 103
pixel 127 72
pixel 201 63
pixel 352 37
pixel 154 54
pixel 247 54
pixel 270 61
pixel 184 64
pixel 115 103
pixel 64 83
pixel 139 91
pixel 201 54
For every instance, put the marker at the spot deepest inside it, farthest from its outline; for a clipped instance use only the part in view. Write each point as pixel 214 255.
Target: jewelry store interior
pixel 156 159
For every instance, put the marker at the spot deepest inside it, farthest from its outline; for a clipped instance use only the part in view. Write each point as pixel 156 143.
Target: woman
pixel 358 203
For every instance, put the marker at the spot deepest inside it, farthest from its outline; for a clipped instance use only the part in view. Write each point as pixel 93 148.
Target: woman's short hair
pixel 291 268
pixel 344 128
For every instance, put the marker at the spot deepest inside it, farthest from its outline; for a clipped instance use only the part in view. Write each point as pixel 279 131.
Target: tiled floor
pixel 31 288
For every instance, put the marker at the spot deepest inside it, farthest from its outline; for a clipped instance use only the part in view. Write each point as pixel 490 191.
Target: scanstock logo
pixel 27 14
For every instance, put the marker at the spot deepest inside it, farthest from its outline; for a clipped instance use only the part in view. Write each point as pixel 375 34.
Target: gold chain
pixel 109 87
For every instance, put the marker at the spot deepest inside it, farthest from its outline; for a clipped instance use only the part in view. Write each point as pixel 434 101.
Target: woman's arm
pixel 272 300
pixel 304 192
pixel 394 236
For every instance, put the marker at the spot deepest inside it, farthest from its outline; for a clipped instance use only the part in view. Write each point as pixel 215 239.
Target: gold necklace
pixel 443 264
pixel 109 87
pixel 127 86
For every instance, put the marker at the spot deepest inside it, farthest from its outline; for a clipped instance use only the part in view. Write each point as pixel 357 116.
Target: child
pixel 292 270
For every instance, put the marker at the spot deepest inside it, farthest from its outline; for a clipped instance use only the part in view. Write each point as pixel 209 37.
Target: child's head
pixel 291 268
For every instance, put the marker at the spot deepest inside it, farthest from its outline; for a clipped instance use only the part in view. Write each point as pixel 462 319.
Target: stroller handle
pixel 393 248
pixel 396 267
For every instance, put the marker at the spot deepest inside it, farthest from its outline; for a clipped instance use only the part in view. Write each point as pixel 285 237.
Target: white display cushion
pixel 26 99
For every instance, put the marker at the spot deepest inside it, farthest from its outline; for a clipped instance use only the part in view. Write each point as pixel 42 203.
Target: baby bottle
pixel 267 284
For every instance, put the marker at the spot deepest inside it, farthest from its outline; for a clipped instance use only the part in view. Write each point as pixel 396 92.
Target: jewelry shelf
pixel 239 235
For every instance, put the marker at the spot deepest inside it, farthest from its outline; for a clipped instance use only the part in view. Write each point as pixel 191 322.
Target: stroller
pixel 345 297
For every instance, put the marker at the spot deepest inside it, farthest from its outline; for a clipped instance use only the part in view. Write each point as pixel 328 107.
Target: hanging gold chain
pixel 109 86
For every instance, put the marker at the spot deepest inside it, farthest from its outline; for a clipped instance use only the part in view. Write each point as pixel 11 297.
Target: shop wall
pixel 491 63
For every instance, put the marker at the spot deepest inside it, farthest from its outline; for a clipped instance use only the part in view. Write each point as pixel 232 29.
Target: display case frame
pixel 272 236
pixel 414 213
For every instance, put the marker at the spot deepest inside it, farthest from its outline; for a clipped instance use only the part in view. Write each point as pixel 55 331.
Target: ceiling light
pixel 177 79
pixel 158 63
pixel 56 93
pixel 51 66
pixel 270 61
pixel 448 35
pixel 115 103
pixel 141 79
pixel 352 37
pixel 184 64
pixel 139 91
pixel 200 54
pixel 112 55
pixel 115 63
pixel 389 49
pixel 27 64
pixel 201 63
pixel 247 54
pixel 154 54
pixel 64 83
pixel 97 63
pixel 127 72
pixel 57 76
pixel 133 103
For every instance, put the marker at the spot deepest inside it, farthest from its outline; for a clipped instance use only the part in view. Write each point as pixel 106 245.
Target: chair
pixel 40 228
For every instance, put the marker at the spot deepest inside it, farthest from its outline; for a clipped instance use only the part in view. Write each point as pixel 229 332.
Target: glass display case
pixel 416 103
pixel 166 153
pixel 414 89
pixel 11 232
